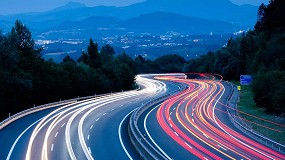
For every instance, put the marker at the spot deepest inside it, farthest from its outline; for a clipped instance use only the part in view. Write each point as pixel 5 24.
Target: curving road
pixel 91 129
pixel 194 125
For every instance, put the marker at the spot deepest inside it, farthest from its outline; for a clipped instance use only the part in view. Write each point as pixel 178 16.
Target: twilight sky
pixel 21 6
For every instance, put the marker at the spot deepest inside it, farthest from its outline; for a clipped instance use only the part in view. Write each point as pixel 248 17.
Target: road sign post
pixel 239 88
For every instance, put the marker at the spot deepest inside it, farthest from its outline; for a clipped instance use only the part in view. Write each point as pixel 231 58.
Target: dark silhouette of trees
pixel 260 53
pixel 94 59
pixel 143 65
pixel 171 63
pixel 91 58
pixel 270 18
pixel 27 79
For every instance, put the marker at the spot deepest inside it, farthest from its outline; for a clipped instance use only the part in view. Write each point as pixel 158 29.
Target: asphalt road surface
pixel 193 124
pixel 91 129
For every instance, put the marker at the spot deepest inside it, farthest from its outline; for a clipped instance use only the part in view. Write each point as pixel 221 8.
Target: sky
pixel 22 6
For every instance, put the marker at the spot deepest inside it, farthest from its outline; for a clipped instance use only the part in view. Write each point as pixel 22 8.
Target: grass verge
pixel 265 124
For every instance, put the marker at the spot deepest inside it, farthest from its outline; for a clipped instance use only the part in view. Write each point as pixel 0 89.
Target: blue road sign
pixel 245 79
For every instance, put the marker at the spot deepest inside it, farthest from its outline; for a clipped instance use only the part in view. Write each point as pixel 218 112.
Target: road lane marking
pixel 188 145
pixel 112 109
pixel 56 135
pixel 16 141
pixel 148 134
pixel 88 136
pixel 51 148
pixel 62 125
pixel 89 149
pixel 97 119
pixel 104 114
pixel 222 147
pixel 91 127
pixel 176 134
pixel 214 117
pixel 80 125
pixel 120 135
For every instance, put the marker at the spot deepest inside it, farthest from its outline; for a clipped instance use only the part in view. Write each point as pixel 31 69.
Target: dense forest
pixel 260 52
pixel 27 79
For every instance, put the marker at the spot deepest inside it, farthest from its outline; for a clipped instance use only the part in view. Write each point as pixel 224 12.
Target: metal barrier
pixel 244 127
pixel 21 114
pixel 140 142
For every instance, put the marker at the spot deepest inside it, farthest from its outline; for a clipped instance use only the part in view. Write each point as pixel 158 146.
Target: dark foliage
pixel 260 52
pixel 172 63
pixel 27 79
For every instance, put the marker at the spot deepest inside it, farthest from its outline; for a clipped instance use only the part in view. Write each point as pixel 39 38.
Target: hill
pixel 163 22
pixel 222 10
pixel 156 23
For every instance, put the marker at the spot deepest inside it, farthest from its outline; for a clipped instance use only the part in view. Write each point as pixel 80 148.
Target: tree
pixel 169 63
pixel 68 59
pixel 24 35
pixel 260 17
pixel 123 58
pixel 83 58
pixel 9 55
pixel 140 63
pixel 94 59
pixel 126 77
pixel 28 55
pixel 107 55
pixel 268 88
pixel 107 49
pixel 272 22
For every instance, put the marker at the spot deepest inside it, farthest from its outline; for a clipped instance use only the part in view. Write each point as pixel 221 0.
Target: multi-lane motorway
pixel 193 124
pixel 91 129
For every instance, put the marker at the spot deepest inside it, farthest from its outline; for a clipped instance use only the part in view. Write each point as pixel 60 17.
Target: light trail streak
pixel 65 117
pixel 196 117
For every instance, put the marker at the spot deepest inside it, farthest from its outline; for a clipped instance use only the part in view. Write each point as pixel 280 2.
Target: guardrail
pixel 140 142
pixel 21 114
pixel 142 145
pixel 244 127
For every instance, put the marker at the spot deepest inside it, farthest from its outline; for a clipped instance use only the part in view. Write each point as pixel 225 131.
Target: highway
pixel 91 129
pixel 195 125
pixel 191 124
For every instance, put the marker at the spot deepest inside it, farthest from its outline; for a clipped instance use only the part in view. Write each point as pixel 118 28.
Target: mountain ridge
pixel 224 10
pixel 69 5
pixel 156 23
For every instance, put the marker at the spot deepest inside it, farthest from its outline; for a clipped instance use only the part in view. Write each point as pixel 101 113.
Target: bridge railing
pixel 244 127
pixel 142 144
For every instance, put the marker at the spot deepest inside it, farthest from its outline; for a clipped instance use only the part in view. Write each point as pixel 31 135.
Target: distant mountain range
pixel 187 16
pixel 155 23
